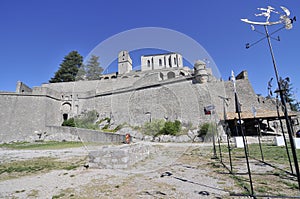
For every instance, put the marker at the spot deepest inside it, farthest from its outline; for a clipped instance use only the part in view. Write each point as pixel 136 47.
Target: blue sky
pixel 35 35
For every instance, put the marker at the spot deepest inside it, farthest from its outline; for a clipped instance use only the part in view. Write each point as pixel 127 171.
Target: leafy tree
pixel 68 68
pixel 93 68
pixel 81 74
pixel 287 86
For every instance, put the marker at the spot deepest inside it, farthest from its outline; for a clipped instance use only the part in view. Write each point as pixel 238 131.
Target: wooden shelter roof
pixel 259 114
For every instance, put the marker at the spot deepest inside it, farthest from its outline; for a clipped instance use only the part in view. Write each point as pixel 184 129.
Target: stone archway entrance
pixel 66 110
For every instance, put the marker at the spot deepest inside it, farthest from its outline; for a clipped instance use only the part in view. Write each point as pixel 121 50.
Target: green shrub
pixel 154 127
pixel 171 128
pixel 105 127
pixel 161 127
pixel 88 117
pixel 207 130
pixel 86 120
pixel 104 119
pixel 69 122
pixel 118 127
pixel 107 119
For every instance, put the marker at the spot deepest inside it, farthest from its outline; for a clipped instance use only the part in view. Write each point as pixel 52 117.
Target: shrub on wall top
pixel 171 128
pixel 153 127
pixel 69 122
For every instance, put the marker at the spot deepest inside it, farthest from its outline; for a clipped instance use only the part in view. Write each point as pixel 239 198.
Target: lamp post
pixel 225 99
pixel 209 110
pixel 257 126
pixel 287 22
pixel 238 111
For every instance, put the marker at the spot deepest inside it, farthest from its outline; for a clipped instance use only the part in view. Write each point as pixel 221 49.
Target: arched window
pixel 160 62
pixel 66 107
pixel 171 75
pixel 148 63
pixel 175 60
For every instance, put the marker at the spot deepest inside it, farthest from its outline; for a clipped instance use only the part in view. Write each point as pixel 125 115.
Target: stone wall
pixel 120 157
pixel 246 95
pixel 60 133
pixel 131 100
pixel 21 115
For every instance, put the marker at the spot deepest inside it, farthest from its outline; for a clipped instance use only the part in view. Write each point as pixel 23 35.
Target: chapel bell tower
pixel 124 62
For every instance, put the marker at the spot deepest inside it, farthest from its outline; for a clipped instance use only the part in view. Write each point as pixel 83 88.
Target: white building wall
pixel 171 60
pixel 159 62
pixel 146 63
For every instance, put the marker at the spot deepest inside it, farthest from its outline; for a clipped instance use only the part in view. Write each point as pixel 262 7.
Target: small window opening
pixel 65 116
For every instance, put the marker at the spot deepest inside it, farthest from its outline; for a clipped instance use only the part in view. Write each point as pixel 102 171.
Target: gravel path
pixel 177 171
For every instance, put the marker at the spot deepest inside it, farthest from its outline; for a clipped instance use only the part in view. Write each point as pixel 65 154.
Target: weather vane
pixel 287 24
pixel 283 17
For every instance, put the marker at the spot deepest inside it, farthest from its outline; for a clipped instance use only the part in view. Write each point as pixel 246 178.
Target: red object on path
pixel 127 138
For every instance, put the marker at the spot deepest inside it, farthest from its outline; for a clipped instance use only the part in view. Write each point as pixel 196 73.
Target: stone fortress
pixel 162 89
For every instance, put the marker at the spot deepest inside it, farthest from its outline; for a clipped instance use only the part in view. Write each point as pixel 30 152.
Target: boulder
pixel 183 138
pixel 193 134
pixel 135 135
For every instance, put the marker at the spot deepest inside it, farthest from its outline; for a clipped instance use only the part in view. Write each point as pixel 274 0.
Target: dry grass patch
pixel 17 169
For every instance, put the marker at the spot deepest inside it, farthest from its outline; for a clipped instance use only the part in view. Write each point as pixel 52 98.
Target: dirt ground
pixel 175 171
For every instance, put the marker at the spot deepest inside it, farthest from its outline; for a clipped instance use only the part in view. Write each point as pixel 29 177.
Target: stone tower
pixel 124 62
pixel 201 75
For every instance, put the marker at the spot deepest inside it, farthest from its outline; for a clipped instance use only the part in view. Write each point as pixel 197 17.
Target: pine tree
pixel 287 87
pixel 68 68
pixel 93 68
pixel 81 74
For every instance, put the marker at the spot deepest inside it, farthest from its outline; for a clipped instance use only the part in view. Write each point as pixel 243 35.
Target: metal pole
pixel 214 142
pixel 227 132
pixel 285 109
pixel 236 127
pixel 245 145
pixel 220 150
pixel 219 137
pixel 259 141
pixel 284 138
pixel 229 149
pixel 219 140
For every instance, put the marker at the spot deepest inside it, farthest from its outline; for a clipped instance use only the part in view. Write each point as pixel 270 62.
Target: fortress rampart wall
pixel 84 135
pixel 132 100
pixel 22 115
pixel 246 95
